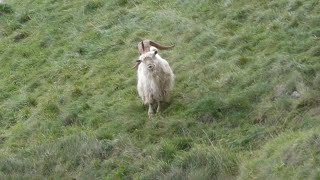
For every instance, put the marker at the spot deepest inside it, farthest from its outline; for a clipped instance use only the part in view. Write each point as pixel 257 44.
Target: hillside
pixel 246 102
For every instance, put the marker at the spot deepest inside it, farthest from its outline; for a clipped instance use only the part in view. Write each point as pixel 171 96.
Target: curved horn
pixel 138 62
pixel 141 47
pixel 161 47
pixel 144 46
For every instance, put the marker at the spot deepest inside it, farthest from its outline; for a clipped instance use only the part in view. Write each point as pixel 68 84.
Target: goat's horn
pixel 161 47
pixel 137 64
pixel 144 46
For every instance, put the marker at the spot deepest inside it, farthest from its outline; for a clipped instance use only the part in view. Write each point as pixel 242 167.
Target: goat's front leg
pixel 150 111
pixel 159 107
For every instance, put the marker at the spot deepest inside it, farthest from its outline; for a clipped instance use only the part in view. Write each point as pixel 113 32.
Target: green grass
pixel 69 106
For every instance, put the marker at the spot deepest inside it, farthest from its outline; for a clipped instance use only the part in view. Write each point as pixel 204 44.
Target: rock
pixel 296 94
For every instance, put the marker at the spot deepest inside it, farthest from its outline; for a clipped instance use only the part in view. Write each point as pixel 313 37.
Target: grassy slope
pixel 69 107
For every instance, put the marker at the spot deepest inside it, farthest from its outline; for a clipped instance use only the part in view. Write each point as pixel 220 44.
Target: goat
pixel 155 80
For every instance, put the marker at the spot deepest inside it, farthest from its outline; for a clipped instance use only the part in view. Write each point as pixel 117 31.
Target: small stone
pixel 296 94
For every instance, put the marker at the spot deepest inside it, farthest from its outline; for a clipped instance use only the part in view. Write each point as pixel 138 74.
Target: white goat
pixel 155 80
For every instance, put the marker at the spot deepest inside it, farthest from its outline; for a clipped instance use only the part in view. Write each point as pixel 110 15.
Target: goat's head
pixel 146 46
pixel 149 59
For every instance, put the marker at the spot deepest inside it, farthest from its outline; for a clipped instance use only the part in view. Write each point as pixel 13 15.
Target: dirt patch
pixel 207 118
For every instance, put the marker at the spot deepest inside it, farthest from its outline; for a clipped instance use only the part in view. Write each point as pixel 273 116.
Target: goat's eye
pixel 138 61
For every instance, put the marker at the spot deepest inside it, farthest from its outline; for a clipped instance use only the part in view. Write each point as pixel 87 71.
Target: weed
pixel 6 9
pixel 92 6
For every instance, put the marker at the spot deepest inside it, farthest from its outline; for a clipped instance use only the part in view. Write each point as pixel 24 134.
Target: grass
pixel 69 106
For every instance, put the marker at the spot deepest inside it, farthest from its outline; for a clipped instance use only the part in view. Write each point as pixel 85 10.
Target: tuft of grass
pixel 200 162
pixel 5 9
pixel 25 18
pixel 20 36
pixel 298 150
pixel 93 5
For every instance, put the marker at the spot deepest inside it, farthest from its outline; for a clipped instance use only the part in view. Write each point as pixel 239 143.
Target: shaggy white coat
pixel 155 80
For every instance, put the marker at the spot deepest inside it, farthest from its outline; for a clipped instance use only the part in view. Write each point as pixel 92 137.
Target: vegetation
pixel 246 104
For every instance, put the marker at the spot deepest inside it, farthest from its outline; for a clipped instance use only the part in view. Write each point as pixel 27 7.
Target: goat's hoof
pixel 151 115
